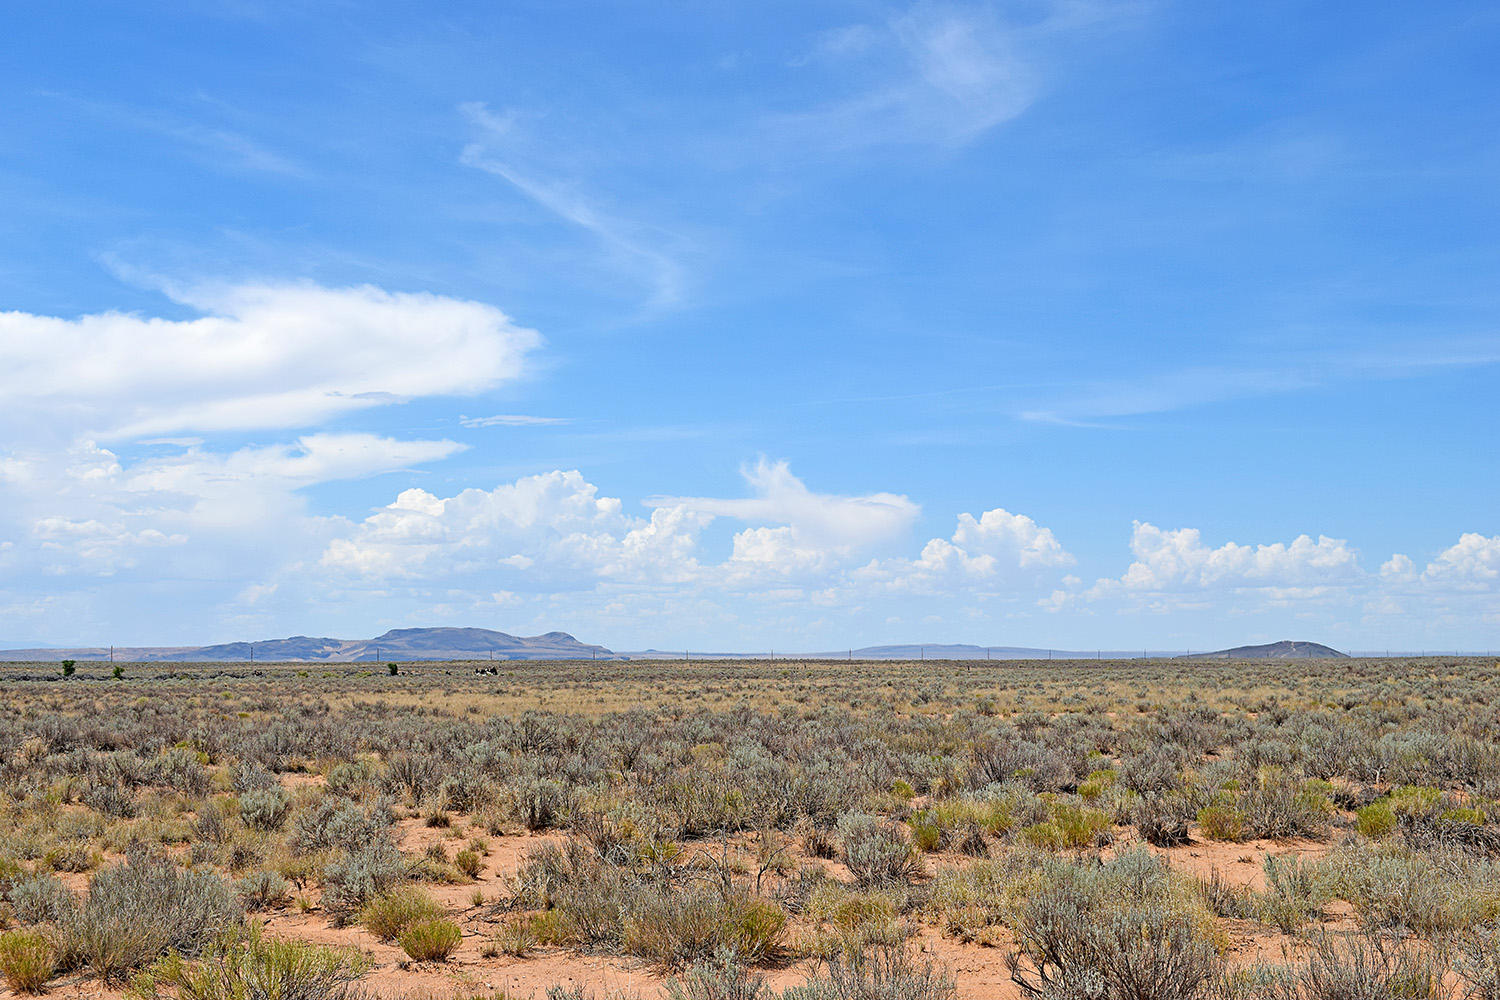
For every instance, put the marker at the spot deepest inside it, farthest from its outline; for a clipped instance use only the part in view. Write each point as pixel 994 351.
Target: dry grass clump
pixel 430 939
pixel 27 960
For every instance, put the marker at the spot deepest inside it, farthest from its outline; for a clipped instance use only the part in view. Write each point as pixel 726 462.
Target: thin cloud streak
pixel 664 275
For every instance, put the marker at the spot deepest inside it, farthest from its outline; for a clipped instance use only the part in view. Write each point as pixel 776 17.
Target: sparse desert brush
pixel 876 851
pixel 516 936
pixel 1295 893
pixel 1397 888
pixel 1065 946
pixel 539 803
pixel 263 890
pixel 971 901
pixel 722 977
pixel 879 970
pixel 139 910
pixel 1365 966
pixel 265 808
pixel 352 879
pixel 1162 819
pixel 649 764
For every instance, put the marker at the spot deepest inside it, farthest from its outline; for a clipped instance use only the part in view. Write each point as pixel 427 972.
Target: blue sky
pixel 745 326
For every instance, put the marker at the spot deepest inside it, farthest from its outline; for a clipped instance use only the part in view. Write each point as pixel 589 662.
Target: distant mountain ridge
pixel 1286 649
pixel 485 644
pixel 397 644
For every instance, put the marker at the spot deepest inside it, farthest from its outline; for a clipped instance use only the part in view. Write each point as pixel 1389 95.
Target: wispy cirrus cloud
pixel 215 143
pixel 1092 402
pixel 932 74
pixel 928 75
pixel 504 151
pixel 512 420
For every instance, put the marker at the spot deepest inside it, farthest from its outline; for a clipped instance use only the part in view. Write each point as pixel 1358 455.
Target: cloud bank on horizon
pixel 941 323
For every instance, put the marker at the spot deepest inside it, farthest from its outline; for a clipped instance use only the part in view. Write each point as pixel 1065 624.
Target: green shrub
pixel 1222 821
pixel 1375 820
pixel 926 835
pixel 1043 835
pixel 27 960
pixel 677 926
pixel 1080 826
pixel 430 939
pixel 388 915
pixel 68 667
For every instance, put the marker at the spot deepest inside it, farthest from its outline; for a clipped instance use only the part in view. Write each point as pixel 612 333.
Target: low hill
pixel 397 644
pixel 1286 649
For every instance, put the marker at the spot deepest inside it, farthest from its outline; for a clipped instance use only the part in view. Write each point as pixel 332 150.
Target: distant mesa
pixel 398 644
pixel 1286 649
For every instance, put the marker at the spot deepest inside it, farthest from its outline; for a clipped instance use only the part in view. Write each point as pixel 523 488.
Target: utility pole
pixel 111 653
pixel 252 652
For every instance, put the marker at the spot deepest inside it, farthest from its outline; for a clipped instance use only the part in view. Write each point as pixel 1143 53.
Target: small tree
pixel 118 672
pixel 394 670
pixel 68 667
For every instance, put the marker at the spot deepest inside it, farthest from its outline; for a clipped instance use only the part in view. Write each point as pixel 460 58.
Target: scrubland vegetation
pixel 754 830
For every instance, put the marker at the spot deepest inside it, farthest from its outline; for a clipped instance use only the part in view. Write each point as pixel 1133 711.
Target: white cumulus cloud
pixel 816 521
pixel 258 356
pixel 1178 560
pixel 1471 564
